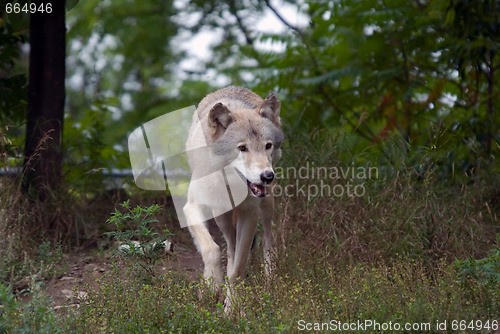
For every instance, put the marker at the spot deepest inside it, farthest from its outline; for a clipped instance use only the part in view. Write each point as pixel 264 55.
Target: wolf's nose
pixel 267 176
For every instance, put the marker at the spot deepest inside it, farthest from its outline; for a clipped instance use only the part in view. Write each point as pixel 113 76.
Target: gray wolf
pixel 237 131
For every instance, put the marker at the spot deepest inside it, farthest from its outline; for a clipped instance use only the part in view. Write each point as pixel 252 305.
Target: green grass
pixel 310 291
pixel 305 290
pixel 33 316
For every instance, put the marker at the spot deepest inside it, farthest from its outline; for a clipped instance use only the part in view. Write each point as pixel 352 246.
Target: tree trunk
pixel 46 94
pixel 490 76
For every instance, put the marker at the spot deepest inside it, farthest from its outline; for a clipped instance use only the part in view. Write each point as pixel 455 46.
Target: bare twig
pixel 322 91
pixel 234 10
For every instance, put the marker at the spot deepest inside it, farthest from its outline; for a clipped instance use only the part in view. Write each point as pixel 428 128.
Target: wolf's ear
pixel 270 109
pixel 219 118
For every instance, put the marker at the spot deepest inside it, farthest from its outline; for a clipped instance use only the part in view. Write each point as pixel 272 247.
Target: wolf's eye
pixel 243 148
pixel 269 145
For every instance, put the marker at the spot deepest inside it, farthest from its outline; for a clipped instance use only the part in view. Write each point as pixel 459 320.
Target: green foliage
pixel 13 82
pixel 381 69
pixel 485 271
pixel 88 151
pixel 141 244
pixel 17 264
pixel 34 316
pixel 424 71
pixel 481 278
pixel 476 26
pixel 109 41
pixel 13 87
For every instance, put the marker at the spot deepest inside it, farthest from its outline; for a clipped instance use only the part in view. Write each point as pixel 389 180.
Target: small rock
pixel 67 293
pixel 22 283
pixel 70 294
pixel 168 246
pixel 82 295
pixel 90 267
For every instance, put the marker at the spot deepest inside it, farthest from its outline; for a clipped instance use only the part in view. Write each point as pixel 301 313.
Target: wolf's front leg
pixel 267 211
pixel 246 226
pixel 210 251
pixel 225 224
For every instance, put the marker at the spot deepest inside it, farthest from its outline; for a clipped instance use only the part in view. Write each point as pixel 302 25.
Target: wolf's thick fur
pixel 233 121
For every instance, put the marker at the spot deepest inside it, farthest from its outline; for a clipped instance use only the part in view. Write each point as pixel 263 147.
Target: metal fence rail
pixel 114 172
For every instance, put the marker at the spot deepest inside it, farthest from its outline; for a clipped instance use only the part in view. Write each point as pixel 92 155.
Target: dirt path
pixel 85 270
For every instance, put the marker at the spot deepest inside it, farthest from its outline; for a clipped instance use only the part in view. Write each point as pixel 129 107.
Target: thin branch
pixel 318 72
pixel 239 21
pixel 298 31
pixel 285 22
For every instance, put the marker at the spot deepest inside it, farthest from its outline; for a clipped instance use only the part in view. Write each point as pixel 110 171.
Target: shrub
pixel 141 244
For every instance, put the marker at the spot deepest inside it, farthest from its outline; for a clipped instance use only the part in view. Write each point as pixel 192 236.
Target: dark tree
pixel 43 154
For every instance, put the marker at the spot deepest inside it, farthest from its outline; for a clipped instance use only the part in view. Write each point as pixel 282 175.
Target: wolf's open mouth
pixel 257 189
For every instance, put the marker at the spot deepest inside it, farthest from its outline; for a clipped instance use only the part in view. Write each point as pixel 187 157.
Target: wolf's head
pixel 249 140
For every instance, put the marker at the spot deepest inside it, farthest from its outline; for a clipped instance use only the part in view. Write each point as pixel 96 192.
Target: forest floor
pixel 87 267
pixel 85 270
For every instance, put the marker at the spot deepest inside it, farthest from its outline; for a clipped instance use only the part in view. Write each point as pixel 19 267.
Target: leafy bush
pixel 140 243
pixel 34 316
pixel 481 279
pixel 485 271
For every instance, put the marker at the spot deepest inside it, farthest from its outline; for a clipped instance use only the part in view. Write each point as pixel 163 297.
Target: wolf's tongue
pixel 258 190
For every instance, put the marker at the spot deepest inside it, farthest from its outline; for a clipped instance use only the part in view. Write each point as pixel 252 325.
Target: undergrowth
pixel 412 248
pixel 140 244
pixel 33 316
pixel 307 291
